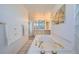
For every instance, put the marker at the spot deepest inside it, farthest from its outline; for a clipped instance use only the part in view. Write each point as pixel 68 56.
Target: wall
pixel 67 29
pixel 13 17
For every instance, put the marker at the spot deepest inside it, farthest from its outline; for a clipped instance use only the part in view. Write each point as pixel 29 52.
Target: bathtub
pixel 47 45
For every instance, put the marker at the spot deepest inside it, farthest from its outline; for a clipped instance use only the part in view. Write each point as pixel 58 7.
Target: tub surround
pixel 46 43
pixel 41 32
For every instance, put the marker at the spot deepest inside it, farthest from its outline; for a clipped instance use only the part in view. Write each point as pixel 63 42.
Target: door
pixel 2 36
pixel 30 28
pixel 23 31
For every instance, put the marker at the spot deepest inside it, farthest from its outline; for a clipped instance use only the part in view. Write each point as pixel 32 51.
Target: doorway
pixel 23 31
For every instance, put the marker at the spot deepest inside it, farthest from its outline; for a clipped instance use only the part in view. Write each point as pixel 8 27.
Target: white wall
pixel 67 29
pixel 13 16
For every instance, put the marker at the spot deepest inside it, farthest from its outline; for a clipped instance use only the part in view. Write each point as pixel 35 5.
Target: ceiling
pixel 40 7
pixel 42 10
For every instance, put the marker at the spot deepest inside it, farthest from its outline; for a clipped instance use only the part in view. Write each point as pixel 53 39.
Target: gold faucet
pixel 41 42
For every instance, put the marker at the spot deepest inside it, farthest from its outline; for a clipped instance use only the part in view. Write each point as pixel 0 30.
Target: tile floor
pixel 26 46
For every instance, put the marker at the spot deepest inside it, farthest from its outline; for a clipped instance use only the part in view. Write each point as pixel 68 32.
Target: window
pixel 40 24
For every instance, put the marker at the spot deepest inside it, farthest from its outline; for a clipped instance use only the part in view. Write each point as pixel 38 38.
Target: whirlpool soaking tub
pixel 44 44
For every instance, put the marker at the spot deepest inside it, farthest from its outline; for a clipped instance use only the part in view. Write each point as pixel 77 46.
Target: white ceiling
pixel 40 7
